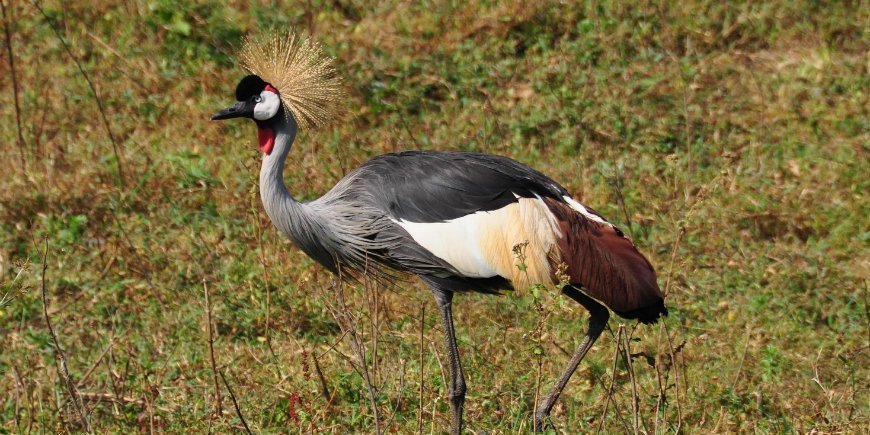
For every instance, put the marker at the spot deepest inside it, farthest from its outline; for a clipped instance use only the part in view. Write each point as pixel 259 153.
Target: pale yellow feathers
pixel 482 244
pixel 521 243
pixel 305 77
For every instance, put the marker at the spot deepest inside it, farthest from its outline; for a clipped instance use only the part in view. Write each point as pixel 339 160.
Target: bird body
pixel 480 222
pixel 459 221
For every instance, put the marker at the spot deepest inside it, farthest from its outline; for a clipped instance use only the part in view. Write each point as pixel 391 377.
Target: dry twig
pixel 676 379
pixel 324 387
pixel 96 363
pixel 346 323
pixel 742 359
pixel 399 395
pixel 612 382
pixel 8 34
pixel 235 403
pixel 219 412
pixel 110 397
pixel 22 386
pixel 62 368
pixel 634 398
pixel 93 88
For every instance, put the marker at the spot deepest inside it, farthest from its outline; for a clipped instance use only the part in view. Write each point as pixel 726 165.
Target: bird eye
pixel 257 98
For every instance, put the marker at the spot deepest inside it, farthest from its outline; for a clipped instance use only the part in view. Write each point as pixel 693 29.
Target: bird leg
pixel 456 389
pixel 597 321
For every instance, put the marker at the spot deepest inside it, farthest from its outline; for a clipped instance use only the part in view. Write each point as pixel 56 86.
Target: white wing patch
pixel 582 210
pixel 449 241
pixel 481 245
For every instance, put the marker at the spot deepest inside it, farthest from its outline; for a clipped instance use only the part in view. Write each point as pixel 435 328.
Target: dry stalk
pixel 7 22
pixel 634 398
pixel 539 353
pixel 17 409
pixel 612 381
pixel 676 378
pixel 519 251
pixel 93 88
pixel 434 350
pixel 434 414
pixel 742 359
pixel 673 258
pixel 401 393
pixel 110 397
pixel 219 412
pixel 661 396
pixel 687 119
pixel 21 388
pixel 614 403
pixel 96 363
pixel 662 373
pixel 41 107
pixel 324 387
pixel 235 403
pixel 372 295
pixel 818 381
pixel 60 358
pixel 376 327
pixel 335 343
pixel 113 376
pixel 617 186
pixel 150 394
pixel 135 80
pixel 409 132
pixel 346 322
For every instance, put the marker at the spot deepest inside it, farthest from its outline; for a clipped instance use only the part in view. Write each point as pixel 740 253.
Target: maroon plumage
pixel 606 265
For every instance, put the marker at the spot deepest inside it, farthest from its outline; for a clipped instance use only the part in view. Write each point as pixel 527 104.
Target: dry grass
pixel 731 141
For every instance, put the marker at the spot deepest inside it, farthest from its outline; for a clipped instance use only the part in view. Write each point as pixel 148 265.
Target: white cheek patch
pixel 268 106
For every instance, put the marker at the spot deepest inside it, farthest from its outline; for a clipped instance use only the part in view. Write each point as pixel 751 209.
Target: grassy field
pixel 729 141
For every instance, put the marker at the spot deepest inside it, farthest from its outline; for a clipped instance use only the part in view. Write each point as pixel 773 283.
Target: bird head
pixel 287 71
pixel 255 98
pixel 259 101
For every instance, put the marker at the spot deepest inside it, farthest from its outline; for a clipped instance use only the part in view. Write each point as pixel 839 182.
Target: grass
pixel 728 140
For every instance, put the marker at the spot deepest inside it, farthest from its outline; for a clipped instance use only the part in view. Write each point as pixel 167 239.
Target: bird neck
pixel 280 205
pixel 301 222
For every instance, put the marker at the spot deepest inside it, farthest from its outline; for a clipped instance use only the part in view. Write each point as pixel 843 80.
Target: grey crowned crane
pixel 451 218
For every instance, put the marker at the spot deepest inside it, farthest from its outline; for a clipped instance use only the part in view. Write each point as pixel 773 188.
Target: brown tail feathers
pixel 605 264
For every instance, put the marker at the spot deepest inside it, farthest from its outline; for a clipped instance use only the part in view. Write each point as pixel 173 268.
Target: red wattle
pixel 266 137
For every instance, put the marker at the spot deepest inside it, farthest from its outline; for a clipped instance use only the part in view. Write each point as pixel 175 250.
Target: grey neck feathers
pixel 303 223
pixel 281 207
pixel 343 235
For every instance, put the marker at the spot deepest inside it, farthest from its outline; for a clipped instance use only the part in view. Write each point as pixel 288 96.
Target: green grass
pixel 731 142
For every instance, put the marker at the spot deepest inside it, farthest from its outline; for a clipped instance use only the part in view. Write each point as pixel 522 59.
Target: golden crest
pixel 305 77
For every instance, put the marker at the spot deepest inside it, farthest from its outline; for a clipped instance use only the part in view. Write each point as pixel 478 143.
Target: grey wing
pixel 429 186
pixel 432 186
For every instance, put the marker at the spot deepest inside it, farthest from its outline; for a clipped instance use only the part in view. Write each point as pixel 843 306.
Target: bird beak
pixel 242 109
